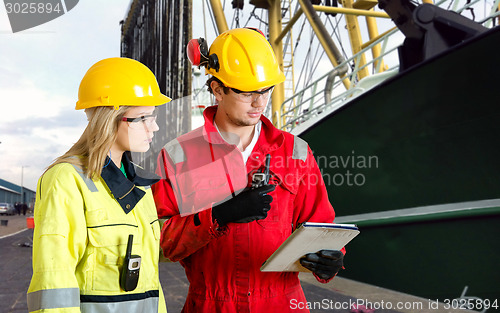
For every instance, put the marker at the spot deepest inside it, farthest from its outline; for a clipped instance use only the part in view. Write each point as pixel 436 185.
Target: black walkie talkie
pixel 131 267
pixel 261 178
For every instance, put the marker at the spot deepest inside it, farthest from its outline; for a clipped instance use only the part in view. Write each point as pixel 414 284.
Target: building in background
pixel 11 193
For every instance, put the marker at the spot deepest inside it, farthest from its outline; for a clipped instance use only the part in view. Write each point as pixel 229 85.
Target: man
pixel 219 227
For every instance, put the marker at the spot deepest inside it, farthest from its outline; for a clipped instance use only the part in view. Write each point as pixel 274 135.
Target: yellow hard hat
pixel 245 60
pixel 119 82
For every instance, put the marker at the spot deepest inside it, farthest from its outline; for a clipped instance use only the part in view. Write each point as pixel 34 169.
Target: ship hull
pixel 412 162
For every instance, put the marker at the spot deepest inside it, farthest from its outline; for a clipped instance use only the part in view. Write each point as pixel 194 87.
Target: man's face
pixel 243 108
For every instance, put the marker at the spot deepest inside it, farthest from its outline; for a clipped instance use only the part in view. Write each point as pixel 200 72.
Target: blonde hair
pixel 89 152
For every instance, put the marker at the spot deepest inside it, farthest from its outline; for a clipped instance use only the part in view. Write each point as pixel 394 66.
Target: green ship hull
pixel 415 162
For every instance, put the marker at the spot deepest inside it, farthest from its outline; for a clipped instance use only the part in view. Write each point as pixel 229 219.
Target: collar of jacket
pixel 124 189
pixel 270 138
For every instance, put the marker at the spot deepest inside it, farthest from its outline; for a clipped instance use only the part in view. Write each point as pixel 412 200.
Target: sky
pixel 40 71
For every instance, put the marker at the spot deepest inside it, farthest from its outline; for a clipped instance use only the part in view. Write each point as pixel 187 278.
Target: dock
pixel 336 296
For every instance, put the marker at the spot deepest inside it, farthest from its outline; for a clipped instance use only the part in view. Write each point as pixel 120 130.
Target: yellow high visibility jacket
pixel 80 240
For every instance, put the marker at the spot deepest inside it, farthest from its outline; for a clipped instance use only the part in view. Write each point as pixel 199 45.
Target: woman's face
pixel 136 132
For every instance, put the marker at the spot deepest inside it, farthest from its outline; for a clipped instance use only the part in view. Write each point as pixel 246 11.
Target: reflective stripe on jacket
pixel 79 244
pixel 223 264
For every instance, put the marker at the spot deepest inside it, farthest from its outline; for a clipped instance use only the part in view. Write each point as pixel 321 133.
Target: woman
pixel 91 199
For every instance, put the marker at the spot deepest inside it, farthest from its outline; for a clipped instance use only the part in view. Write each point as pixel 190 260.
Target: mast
pixel 276 35
pixel 275 25
pixel 326 41
pixel 220 18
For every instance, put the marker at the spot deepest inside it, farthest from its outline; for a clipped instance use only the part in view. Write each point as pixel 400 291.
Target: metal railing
pixel 310 102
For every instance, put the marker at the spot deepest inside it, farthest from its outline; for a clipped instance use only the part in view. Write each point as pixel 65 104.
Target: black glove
pixel 324 263
pixel 250 205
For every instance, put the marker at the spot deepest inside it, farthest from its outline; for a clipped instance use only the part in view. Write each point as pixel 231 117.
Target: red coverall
pixel 222 263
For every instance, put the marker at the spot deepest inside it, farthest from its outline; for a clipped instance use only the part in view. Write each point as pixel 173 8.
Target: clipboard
pixel 308 238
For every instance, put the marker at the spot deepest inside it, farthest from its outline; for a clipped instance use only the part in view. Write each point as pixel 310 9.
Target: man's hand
pixel 324 263
pixel 248 206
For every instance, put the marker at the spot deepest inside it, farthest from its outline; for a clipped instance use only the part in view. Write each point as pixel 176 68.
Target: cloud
pixel 34 142
pixel 40 71
pixel 23 99
pixel 33 126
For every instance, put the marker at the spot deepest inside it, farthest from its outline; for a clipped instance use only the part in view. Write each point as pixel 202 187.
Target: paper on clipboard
pixel 308 238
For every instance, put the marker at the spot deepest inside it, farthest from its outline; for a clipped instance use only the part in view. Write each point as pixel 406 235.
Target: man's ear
pixel 217 90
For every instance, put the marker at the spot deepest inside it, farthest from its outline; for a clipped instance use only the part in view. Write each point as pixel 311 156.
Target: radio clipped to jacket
pixel 131 266
pixel 261 178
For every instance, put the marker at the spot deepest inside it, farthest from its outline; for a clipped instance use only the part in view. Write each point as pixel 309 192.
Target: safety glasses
pixel 140 122
pixel 251 96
